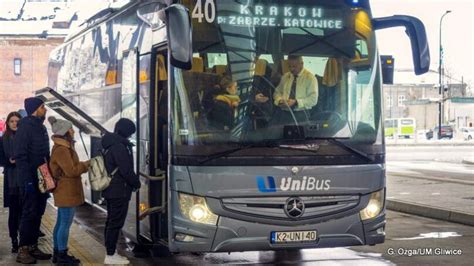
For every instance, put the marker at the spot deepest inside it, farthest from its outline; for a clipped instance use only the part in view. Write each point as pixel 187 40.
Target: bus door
pixel 84 123
pixel 152 113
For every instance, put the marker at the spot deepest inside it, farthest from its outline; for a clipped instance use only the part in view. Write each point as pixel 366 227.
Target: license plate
pixel 294 236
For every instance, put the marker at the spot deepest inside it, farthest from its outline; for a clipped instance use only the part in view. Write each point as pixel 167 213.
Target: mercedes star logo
pixel 294 207
pixel 295 170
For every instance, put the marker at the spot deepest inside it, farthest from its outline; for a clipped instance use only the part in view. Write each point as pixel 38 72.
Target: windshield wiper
pixel 261 144
pixel 343 145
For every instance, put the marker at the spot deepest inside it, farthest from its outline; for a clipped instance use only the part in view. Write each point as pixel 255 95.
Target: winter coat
pixel 67 169
pixel 119 154
pixel 11 181
pixel 31 149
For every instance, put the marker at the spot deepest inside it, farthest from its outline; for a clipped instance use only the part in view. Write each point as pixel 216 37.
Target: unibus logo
pixel 306 183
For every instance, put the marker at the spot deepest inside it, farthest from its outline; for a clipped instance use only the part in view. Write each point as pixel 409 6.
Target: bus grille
pixel 273 207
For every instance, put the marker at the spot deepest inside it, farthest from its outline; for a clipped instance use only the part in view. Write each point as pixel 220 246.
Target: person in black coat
pixel 11 185
pixel 118 155
pixel 31 150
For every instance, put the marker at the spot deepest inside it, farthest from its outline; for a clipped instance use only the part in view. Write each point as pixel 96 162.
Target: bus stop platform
pixel 439 198
pixel 81 244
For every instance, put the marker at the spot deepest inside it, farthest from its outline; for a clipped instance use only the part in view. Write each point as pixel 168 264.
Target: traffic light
pixel 387 68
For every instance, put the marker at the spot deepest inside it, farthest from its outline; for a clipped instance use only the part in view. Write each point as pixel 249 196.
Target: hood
pixel 110 139
pixel 125 128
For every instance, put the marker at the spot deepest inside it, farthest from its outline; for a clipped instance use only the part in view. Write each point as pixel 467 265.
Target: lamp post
pixel 440 71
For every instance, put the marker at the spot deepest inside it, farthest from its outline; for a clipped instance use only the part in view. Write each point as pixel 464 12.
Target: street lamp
pixel 440 71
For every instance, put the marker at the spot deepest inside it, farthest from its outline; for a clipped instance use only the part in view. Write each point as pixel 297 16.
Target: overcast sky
pixel 457 33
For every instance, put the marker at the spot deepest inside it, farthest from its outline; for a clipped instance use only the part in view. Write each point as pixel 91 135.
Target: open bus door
pixel 152 113
pixel 86 124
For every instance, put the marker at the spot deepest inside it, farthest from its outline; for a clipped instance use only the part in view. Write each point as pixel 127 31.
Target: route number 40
pixel 209 9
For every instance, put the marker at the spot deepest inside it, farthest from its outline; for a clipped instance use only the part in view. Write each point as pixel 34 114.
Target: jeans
pixel 116 214
pixel 61 230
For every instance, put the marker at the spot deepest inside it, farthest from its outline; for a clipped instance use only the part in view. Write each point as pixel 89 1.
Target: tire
pixel 469 137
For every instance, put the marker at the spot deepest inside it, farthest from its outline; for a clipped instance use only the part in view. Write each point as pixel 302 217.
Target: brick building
pixel 29 31
pixel 23 68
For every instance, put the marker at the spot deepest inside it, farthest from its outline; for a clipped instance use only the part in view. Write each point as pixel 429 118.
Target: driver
pixel 297 92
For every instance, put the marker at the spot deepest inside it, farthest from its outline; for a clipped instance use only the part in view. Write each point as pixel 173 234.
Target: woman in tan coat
pixel 66 169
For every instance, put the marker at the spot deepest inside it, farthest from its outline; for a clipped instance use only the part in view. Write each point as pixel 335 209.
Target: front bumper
pixel 232 234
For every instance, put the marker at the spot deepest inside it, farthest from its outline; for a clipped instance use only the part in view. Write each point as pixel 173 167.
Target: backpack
pixel 98 176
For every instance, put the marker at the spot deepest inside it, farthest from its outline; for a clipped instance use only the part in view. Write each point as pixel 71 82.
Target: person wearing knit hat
pixel 119 155
pixel 33 104
pixel 67 169
pixel 31 150
pixel 58 126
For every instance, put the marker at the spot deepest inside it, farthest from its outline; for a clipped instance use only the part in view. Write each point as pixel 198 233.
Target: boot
pixel 55 256
pixel 14 245
pixel 38 254
pixel 63 258
pixel 24 256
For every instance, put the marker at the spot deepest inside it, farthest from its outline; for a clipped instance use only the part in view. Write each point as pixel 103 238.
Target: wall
pixel 34 53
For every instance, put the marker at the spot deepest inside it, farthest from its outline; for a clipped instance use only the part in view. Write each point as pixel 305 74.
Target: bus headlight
pixel 374 207
pixel 195 209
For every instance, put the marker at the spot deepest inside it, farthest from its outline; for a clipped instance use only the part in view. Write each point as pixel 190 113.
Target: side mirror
pixel 178 25
pixel 417 33
pixel 388 63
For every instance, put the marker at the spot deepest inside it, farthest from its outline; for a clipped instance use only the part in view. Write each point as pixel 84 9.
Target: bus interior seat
pixel 285 68
pixel 198 65
pixel 219 69
pixel 260 67
pixel 327 87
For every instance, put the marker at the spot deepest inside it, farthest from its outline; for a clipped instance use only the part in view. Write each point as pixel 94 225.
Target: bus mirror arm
pixel 417 34
pixel 179 34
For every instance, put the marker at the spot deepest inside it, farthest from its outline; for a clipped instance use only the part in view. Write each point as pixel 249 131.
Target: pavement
pixel 81 244
pixel 436 190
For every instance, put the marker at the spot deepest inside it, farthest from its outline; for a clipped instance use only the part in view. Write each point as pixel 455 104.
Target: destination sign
pixel 259 15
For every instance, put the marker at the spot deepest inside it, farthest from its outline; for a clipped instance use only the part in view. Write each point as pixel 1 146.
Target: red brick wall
pixel 34 54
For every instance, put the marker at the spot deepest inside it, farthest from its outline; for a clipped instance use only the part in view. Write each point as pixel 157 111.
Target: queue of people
pixel 24 147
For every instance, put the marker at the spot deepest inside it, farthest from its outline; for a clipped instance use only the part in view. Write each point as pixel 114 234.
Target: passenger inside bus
pixel 221 103
pixel 296 94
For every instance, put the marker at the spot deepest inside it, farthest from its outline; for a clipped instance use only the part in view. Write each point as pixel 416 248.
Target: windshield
pixel 274 70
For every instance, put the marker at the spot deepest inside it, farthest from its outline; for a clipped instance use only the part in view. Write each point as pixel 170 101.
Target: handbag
pixel 46 182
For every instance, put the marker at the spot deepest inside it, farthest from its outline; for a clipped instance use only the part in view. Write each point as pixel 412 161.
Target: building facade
pixel 419 99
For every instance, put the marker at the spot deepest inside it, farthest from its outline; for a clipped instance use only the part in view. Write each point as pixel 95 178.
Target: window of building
pixel 401 100
pixel 17 66
pixel 389 101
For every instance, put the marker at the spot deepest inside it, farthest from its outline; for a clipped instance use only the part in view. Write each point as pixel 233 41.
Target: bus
pixel 400 127
pixel 315 180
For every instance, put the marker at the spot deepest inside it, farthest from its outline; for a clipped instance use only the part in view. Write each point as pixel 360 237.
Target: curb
pixel 428 144
pixel 470 162
pixel 431 212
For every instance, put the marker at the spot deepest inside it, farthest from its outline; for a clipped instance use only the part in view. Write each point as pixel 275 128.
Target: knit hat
pixel 60 127
pixel 23 113
pixel 125 128
pixel 32 104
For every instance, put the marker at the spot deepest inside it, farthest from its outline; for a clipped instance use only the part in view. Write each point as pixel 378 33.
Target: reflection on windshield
pixel 251 82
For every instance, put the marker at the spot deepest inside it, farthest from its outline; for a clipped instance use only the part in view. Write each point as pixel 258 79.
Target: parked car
pixel 446 132
pixel 468 133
